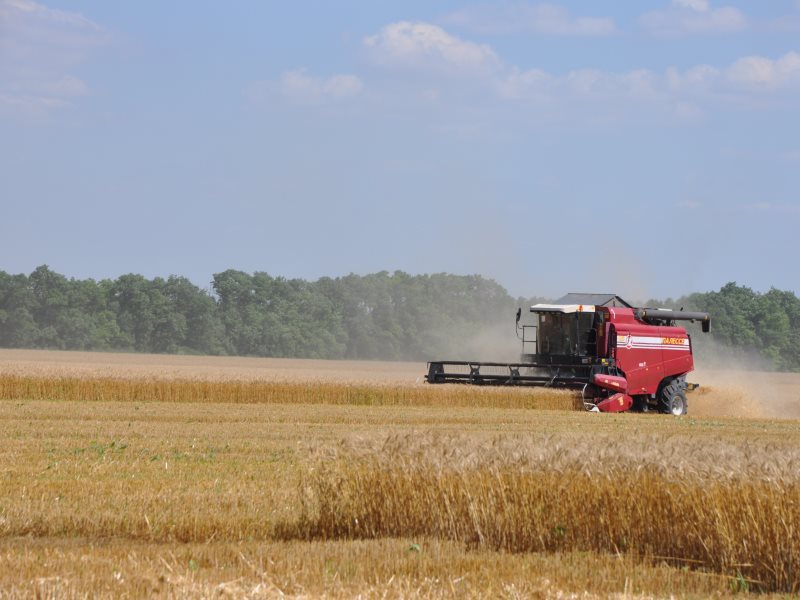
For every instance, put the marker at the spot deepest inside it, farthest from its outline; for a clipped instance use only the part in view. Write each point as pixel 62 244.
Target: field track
pixel 384 487
pixel 208 368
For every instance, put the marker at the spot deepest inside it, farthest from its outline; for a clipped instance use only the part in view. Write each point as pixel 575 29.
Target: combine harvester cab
pixel 619 357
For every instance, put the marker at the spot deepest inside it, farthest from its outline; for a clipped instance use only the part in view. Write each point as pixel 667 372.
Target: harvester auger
pixel 619 357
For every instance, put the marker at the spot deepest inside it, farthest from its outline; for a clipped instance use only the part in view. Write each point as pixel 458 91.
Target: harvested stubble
pixel 14 387
pixel 376 569
pixel 733 524
pixel 115 498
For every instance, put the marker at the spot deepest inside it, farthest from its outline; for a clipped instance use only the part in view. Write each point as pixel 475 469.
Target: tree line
pixel 755 327
pixel 390 316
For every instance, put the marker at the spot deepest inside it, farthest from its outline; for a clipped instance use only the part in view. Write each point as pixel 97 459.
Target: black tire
pixel 672 398
pixel 640 404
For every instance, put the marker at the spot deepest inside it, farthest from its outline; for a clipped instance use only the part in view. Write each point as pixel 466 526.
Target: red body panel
pixel 611 382
pixel 646 353
pixel 616 403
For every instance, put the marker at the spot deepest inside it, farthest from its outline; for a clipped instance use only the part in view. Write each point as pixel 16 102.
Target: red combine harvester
pixel 620 357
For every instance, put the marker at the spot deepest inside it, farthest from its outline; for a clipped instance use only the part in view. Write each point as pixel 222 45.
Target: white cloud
pixel 763 74
pixel 758 74
pixel 39 50
pixel 33 105
pixel 698 5
pixel 580 84
pixel 517 84
pixel 427 46
pixel 12 8
pixel 702 78
pixel 425 67
pixel 547 19
pixel 342 86
pixel 686 17
pixel 301 88
pixel 683 94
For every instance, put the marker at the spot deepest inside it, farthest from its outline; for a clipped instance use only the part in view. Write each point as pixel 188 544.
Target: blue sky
pixel 649 148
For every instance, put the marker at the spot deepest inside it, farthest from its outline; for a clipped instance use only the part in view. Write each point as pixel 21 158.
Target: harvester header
pixel 619 357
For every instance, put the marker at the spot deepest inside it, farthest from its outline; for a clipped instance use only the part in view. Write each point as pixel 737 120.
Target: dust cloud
pixel 743 393
pixel 496 343
pixel 741 384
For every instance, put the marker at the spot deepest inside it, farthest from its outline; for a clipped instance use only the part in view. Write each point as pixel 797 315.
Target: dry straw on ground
pixel 375 569
pixel 107 498
pixel 195 476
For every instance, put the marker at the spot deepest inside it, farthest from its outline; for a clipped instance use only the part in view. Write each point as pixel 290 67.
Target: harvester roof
pixel 611 300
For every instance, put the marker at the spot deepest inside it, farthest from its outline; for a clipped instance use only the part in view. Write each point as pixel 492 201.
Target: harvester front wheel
pixel 672 399
pixel 640 404
pixel 679 404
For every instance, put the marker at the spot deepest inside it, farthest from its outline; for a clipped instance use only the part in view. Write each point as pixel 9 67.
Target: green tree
pixel 381 315
pixel 17 326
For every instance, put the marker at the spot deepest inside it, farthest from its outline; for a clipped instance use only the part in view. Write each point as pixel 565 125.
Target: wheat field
pixel 124 475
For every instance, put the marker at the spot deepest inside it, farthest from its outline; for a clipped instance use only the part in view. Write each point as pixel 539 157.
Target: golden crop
pixel 107 389
pixel 740 525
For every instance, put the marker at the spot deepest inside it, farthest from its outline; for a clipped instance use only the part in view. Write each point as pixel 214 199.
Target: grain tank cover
pixel 563 308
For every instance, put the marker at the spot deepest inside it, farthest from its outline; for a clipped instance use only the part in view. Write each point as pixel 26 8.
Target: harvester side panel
pixel 647 354
pixel 678 358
